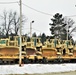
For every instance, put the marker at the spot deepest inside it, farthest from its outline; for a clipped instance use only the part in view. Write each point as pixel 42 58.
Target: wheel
pixel 26 60
pixel 44 60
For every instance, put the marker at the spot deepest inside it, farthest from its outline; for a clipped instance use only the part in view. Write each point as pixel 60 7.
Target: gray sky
pixel 41 24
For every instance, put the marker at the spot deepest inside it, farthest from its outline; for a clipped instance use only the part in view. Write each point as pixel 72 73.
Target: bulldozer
pixel 49 51
pixel 30 51
pixel 39 57
pixel 67 53
pixel 9 50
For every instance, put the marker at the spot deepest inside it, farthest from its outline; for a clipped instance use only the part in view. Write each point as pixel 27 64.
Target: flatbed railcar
pixel 33 51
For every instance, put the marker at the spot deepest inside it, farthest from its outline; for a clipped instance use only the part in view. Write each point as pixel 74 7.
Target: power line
pixel 8 2
pixel 44 12
pixel 37 10
pixel 71 16
pixel 33 8
pixel 36 29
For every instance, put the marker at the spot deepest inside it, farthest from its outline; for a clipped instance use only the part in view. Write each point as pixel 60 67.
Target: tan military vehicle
pixel 49 51
pixel 9 50
pixel 39 57
pixel 67 53
pixel 30 50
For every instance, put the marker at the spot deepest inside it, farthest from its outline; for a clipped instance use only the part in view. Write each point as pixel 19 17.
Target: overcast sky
pixel 41 24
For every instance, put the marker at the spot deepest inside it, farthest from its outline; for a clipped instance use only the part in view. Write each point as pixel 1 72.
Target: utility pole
pixel 20 49
pixel 67 31
pixel 30 29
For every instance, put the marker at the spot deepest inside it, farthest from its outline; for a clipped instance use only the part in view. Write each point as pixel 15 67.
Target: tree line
pixel 59 26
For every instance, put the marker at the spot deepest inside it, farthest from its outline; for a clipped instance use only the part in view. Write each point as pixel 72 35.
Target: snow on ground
pixel 36 68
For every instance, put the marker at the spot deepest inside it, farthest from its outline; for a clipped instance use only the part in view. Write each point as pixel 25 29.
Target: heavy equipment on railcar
pixel 49 51
pixel 30 51
pixel 33 50
pixel 9 50
pixel 74 53
pixel 39 57
pixel 67 53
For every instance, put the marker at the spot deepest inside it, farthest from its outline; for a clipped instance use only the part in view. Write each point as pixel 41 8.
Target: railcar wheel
pixel 1 62
pixel 60 60
pixel 36 60
pixel 26 60
pixel 44 60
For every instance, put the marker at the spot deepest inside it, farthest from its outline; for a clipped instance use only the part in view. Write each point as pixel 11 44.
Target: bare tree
pixel 16 22
pixel 6 19
pixel 10 22
pixel 70 25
